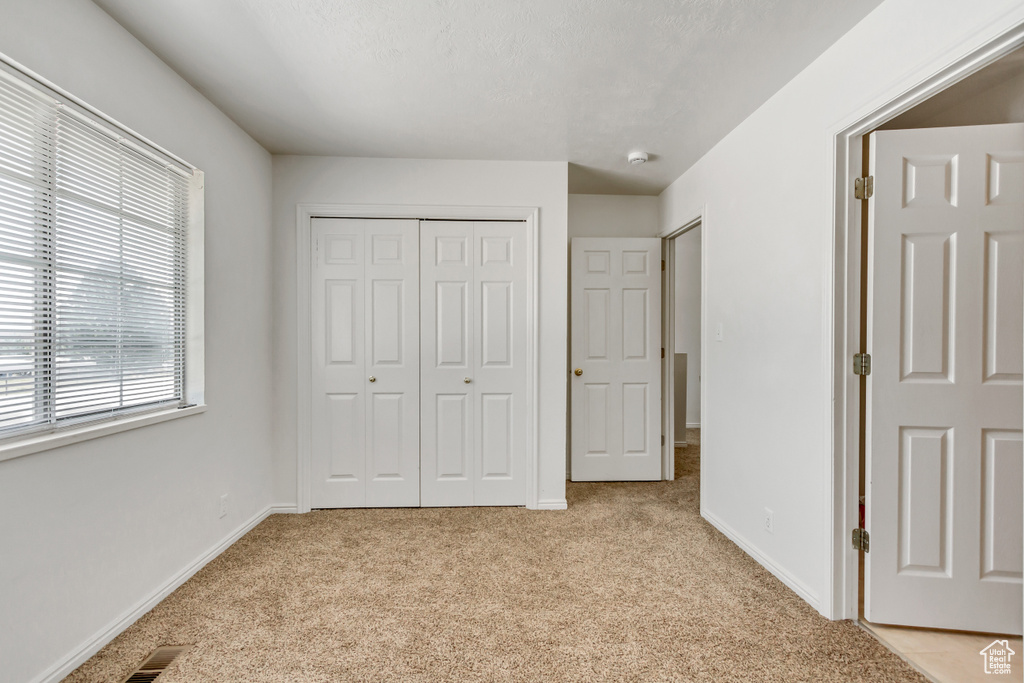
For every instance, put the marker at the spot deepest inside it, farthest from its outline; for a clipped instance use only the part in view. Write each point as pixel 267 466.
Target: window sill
pixel 44 442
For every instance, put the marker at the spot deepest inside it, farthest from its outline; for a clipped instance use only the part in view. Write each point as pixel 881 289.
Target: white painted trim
pixel 680 444
pixel 841 302
pixel 65 437
pixel 699 222
pixel 304 215
pixel 76 658
pixel 795 584
pixel 705 247
pixel 195 292
pixel 668 364
pixel 553 504
pixel 693 425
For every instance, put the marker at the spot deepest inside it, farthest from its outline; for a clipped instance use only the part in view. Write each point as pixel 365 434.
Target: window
pixel 93 240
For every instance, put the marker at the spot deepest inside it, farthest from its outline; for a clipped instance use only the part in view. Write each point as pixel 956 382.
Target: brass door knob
pixel 372 378
pixel 578 372
pixel 467 380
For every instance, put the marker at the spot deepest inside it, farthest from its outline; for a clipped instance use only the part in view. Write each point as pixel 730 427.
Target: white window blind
pixel 92 267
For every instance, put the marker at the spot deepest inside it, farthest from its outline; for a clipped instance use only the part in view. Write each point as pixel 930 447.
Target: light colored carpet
pixel 628 584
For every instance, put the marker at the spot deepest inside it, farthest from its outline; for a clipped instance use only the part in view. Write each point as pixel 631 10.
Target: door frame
pixel 305 213
pixel 668 333
pixel 843 308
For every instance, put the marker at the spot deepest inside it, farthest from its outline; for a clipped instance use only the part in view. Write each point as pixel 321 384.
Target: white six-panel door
pixel 616 359
pixel 474 363
pixel 365 363
pixel 944 460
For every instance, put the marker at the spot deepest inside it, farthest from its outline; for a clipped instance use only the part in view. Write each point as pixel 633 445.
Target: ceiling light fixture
pixel 636 158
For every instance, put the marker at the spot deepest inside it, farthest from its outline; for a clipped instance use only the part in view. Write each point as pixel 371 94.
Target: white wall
pixel 768 234
pixel 90 530
pixel 336 180
pixel 612 215
pixel 687 332
pixel 993 95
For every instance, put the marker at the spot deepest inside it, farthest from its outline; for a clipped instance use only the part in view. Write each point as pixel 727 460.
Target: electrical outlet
pixel 768 521
pixel 223 505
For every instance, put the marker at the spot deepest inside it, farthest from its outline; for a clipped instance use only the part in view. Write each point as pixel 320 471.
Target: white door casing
pixel 365 363
pixel 944 398
pixel 474 363
pixel 616 349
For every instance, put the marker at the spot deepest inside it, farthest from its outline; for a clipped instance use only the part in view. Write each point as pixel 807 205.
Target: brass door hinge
pixel 861 540
pixel 864 188
pixel 862 364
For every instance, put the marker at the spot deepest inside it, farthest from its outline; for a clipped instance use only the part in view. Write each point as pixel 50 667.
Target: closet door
pixel 473 360
pixel 365 370
pixel 501 374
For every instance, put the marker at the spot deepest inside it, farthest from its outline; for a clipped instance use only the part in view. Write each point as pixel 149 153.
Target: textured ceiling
pixel 583 81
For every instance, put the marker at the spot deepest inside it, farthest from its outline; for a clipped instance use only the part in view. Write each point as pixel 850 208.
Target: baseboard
pixel 797 586
pixel 693 425
pixel 553 504
pixel 283 510
pixel 93 645
pixel 680 444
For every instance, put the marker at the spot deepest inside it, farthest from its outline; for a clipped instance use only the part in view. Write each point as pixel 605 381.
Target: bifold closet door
pixel 473 363
pixel 365 363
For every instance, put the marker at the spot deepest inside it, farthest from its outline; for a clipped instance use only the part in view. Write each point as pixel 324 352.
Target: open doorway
pixel 974 108
pixel 683 332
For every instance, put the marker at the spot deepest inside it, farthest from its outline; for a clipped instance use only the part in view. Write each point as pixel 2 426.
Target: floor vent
pixel 156 663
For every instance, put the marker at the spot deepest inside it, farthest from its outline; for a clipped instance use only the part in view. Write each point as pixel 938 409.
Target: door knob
pixel 578 371
pixel 467 380
pixel 372 378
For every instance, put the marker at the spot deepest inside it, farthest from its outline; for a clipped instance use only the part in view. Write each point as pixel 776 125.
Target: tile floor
pixel 948 656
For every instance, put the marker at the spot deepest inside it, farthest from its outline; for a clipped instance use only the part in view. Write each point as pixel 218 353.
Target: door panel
pixel 451 425
pixel 496 436
pixel 344 307
pixel 446 284
pixel 345 414
pixel 1004 321
pixel 387 309
pixel 1001 467
pixel 473 279
pixel 338 362
pixel 385 447
pixel 500 378
pixel 392 338
pixel 452 325
pixel 928 272
pixel 364 304
pixel 944 398
pixel 616 344
pixel 496 324
pixel 924 505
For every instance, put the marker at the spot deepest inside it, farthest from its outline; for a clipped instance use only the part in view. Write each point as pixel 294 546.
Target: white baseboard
pixel 559 504
pixel 93 645
pixel 797 586
pixel 680 444
pixel 693 425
